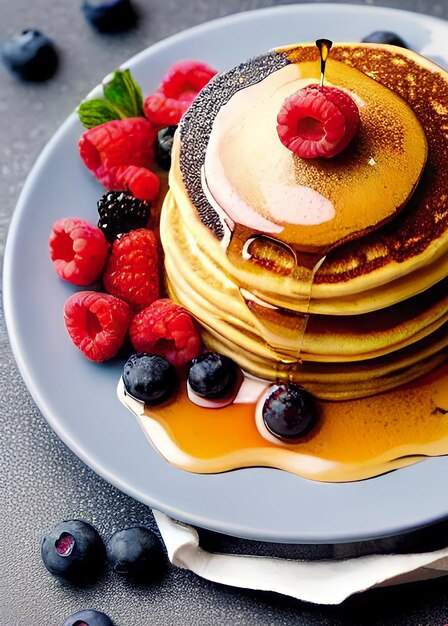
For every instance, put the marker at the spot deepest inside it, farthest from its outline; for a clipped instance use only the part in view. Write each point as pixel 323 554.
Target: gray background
pixel 42 482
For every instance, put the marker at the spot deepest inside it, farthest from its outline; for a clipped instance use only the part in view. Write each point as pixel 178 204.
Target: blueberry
pixel 136 553
pixel 385 36
pixel 73 550
pixel 88 618
pixel 212 375
pixel 30 55
pixel 289 411
pixel 112 16
pixel 149 377
pixel 164 143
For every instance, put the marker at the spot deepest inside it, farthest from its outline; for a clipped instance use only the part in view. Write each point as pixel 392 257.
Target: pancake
pixel 336 278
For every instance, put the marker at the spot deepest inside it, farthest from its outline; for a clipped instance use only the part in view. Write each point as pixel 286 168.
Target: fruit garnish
pixel 110 16
pixel 132 272
pixel 73 550
pixel 97 323
pixel 119 154
pixel 213 375
pixel 149 377
pixel 177 90
pixel 122 98
pixel 136 553
pixel 385 36
pixel 318 121
pixel 164 144
pixel 120 212
pixel 78 250
pixel 167 329
pixel 30 55
pixel 89 617
pixel 288 411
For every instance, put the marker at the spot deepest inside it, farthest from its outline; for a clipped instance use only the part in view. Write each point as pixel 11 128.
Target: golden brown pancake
pixel 358 308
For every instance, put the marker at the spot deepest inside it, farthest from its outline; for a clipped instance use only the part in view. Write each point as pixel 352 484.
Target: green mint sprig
pixel 122 98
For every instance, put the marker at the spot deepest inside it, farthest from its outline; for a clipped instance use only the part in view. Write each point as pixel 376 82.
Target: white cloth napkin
pixel 320 582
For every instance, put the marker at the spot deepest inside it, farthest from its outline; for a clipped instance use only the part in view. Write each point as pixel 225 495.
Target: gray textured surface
pixel 41 480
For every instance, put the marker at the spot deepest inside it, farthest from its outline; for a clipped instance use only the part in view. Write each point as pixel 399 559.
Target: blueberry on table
pixel 110 16
pixel 136 553
pixel 289 411
pixel 74 551
pixel 212 375
pixel 30 55
pixel 385 36
pixel 164 144
pixel 88 618
pixel 149 377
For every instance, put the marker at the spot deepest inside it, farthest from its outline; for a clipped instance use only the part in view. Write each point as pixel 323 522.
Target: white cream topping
pixel 248 171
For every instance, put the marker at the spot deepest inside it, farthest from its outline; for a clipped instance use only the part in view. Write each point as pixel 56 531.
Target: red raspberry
pixel 179 87
pixel 119 152
pixel 97 323
pixel 163 111
pixel 318 121
pixel 166 329
pixel 78 250
pixel 133 269
pixel 185 79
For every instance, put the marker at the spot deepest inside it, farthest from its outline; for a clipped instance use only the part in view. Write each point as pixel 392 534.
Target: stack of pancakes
pixel 331 273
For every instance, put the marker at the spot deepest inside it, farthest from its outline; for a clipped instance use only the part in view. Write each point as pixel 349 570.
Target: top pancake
pixel 415 238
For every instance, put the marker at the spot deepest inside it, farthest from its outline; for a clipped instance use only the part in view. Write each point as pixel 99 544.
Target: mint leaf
pixel 124 93
pixel 94 112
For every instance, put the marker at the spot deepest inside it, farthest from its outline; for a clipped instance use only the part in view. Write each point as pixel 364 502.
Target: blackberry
pixel 164 143
pixel 120 213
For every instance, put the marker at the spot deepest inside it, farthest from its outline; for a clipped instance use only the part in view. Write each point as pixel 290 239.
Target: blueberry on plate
pixel 385 36
pixel 149 377
pixel 213 375
pixel 74 551
pixel 88 618
pixel 136 553
pixel 164 144
pixel 289 411
pixel 110 16
pixel 30 55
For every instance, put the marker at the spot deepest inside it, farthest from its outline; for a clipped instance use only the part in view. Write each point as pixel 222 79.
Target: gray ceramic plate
pixel 78 398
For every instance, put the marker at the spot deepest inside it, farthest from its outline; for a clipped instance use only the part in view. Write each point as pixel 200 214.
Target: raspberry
pixel 119 153
pixel 120 213
pixel 166 329
pixel 179 87
pixel 133 269
pixel 97 323
pixel 185 79
pixel 318 121
pixel 163 111
pixel 78 250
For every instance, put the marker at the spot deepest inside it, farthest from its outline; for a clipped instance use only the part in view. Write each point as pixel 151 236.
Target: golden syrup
pixel 324 46
pixel 352 440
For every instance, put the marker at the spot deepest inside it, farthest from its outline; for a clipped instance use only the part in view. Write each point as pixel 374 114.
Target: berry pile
pixel 74 552
pixel 123 131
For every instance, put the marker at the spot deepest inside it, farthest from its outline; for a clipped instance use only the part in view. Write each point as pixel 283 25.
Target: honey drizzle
pixel 324 46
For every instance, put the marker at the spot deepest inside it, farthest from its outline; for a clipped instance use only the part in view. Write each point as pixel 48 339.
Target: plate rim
pixel 16 340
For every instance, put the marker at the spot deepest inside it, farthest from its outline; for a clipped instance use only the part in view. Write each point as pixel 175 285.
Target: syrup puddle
pixel 353 440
